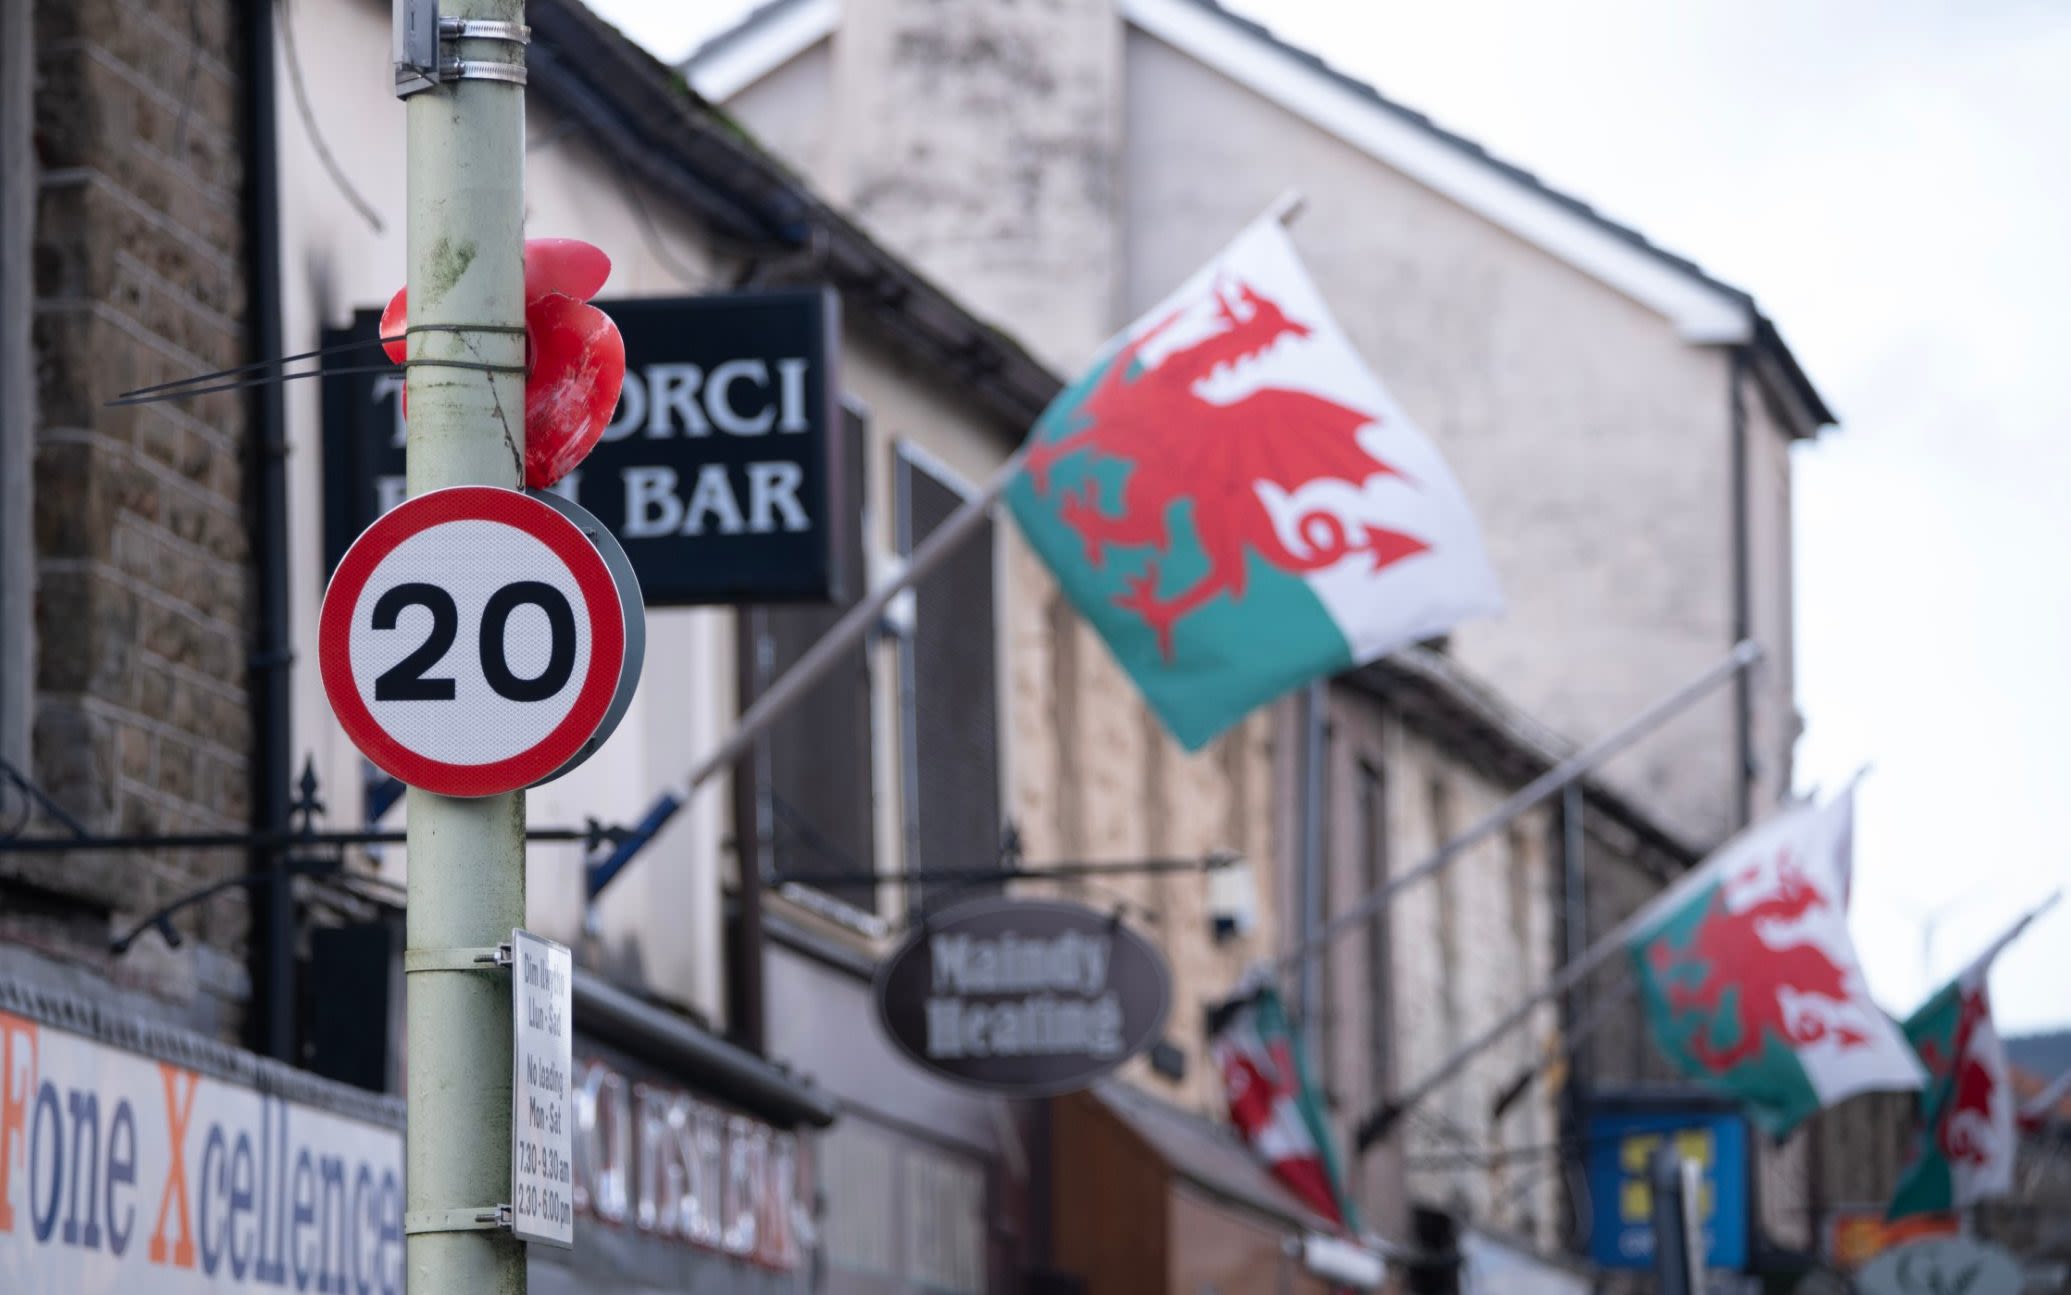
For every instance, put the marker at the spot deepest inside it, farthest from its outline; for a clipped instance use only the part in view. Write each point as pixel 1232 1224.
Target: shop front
pixel 923 1186
pixel 135 1156
pixel 694 1161
pixel 1147 1198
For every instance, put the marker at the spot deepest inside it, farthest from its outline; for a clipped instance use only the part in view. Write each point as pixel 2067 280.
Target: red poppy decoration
pixel 575 361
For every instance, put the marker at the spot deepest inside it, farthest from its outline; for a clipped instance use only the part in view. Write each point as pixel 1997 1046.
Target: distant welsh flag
pixel 1272 1103
pixel 1751 984
pixel 1237 505
pixel 1967 1138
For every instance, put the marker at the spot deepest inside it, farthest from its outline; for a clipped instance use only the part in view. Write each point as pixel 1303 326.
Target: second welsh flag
pixel 1273 1105
pixel 1966 1148
pixel 1236 503
pixel 1751 983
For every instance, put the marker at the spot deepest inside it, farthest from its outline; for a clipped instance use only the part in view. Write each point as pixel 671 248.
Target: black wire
pixel 316 135
pixel 333 349
pixel 260 381
pixel 21 820
pixel 36 797
pixel 651 235
pixel 265 379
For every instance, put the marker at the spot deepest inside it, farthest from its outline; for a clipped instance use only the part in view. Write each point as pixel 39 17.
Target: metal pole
pixel 467 857
pixel 1374 1126
pixel 1574 842
pixel 1678 1243
pixel 1743 655
pixel 846 632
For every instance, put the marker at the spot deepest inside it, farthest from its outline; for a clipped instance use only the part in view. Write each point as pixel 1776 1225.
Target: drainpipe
pixel 17 382
pixel 272 956
pixel 1315 715
pixel 1743 599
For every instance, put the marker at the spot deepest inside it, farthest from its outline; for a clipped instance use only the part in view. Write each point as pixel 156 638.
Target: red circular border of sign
pixel 600 597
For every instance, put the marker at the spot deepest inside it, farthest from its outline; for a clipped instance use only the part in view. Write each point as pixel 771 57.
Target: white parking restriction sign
pixel 475 641
pixel 542 1123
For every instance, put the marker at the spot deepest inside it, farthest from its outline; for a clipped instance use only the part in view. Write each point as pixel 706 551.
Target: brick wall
pixel 143 582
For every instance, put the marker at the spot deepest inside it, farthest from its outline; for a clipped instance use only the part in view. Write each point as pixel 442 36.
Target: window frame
pixel 858 909
pixel 907 457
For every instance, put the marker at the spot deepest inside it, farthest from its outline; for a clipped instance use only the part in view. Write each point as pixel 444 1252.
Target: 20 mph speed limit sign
pixel 477 640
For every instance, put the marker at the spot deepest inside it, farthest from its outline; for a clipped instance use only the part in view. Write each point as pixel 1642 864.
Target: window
pixel 1440 807
pixel 811 809
pixel 1452 1025
pixel 949 730
pixel 1373 862
pixel 901 1216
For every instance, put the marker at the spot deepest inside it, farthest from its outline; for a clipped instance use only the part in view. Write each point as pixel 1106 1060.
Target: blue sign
pixel 1622 1145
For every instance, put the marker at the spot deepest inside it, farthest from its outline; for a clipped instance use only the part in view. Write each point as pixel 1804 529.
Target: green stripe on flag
pixel 1698 1018
pixel 1928 1183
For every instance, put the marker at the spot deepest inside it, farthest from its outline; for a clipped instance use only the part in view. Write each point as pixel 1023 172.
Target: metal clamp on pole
pixel 488 957
pixel 424 58
pixel 481 1218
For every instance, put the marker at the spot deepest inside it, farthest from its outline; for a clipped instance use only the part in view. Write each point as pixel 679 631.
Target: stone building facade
pixel 1415 756
pixel 133 677
pixel 1621 421
pixel 1587 387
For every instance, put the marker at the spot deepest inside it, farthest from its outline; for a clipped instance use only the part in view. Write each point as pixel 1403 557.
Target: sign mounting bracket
pixel 478 1218
pixel 488 957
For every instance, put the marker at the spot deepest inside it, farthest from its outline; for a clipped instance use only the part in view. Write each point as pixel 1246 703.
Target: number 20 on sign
pixel 477 640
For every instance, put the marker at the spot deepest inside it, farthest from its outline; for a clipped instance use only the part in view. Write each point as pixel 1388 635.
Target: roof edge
pixel 1702 309
pixel 1780 368
pixel 769 37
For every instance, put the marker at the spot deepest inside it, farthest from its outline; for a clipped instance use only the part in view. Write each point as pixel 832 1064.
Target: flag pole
pixel 2040 1107
pixel 847 632
pixel 857 621
pixel 1376 1124
pixel 1744 654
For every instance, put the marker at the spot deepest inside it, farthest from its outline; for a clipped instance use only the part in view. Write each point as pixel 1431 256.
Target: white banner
pixel 119 1173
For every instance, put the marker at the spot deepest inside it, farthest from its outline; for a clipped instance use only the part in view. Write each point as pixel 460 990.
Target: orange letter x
pixel 178 1110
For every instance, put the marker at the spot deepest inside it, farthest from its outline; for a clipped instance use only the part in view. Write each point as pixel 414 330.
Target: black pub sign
pixel 716 472
pixel 1028 997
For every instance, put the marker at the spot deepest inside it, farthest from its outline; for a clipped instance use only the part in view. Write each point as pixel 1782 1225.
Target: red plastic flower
pixel 575 361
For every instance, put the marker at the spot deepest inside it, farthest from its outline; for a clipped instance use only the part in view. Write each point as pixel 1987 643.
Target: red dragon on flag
pixel 1235 502
pixel 1750 980
pixel 1966 1132
pixel 1187 448
pixel 1969 1133
pixel 1746 980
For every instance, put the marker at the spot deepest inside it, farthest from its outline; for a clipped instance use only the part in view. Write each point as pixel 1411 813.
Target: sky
pixel 1889 178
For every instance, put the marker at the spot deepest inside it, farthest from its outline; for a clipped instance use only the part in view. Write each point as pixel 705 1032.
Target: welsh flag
pixel 1272 1103
pixel 1750 982
pixel 1967 1144
pixel 1237 505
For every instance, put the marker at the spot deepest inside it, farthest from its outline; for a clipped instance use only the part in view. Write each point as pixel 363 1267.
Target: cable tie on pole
pixel 514 330
pixel 475 365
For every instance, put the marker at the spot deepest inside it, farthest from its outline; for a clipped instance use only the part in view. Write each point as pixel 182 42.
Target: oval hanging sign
pixel 1028 997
